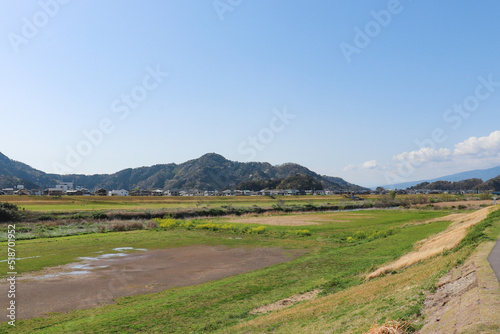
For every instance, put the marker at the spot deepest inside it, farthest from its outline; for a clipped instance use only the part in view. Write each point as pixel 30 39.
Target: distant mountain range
pixel 484 174
pixel 209 172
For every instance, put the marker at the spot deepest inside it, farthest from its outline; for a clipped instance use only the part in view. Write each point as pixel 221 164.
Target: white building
pixel 64 186
pixel 121 192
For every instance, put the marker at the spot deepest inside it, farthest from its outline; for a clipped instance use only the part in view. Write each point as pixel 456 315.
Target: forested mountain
pixel 209 172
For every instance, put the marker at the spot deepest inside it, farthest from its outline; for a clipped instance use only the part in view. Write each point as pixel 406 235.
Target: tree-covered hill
pixel 209 172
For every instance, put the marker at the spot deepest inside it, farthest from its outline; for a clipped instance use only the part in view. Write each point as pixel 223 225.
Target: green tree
pixel 485 195
pixel 494 183
pixel 9 212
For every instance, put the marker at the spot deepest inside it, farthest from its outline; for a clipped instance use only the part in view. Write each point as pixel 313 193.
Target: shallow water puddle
pixel 87 264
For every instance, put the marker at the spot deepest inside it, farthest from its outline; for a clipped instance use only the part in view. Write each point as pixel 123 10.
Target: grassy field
pixel 339 251
pixel 335 228
pixel 79 203
pixel 89 203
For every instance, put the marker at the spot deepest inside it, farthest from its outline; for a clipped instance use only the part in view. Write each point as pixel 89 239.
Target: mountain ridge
pixel 211 171
pixel 484 174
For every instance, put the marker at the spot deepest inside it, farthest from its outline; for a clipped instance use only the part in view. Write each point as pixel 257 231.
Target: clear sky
pixel 375 92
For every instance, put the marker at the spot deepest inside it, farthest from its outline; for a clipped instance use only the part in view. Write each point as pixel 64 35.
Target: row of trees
pixel 469 184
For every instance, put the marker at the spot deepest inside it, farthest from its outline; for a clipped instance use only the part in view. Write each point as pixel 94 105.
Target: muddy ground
pixel 99 280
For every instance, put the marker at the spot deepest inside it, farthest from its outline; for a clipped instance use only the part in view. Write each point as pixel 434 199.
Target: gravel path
pixel 494 259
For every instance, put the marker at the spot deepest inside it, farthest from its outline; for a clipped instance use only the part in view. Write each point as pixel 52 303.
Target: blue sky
pixel 375 92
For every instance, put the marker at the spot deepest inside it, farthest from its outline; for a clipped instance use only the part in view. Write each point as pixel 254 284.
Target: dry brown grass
pixel 390 327
pixel 125 226
pixel 434 245
pixel 471 204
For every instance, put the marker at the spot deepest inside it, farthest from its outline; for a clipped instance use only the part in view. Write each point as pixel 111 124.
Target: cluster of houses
pixel 68 189
pixel 436 192
pixel 62 188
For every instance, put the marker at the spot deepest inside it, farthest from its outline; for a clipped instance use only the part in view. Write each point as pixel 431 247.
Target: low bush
pixel 170 223
pixel 259 230
pixel 167 223
pixel 9 212
pixel 99 215
pixel 121 226
pixel 303 233
pixel 151 225
pixel 45 217
pixel 367 235
pixel 79 215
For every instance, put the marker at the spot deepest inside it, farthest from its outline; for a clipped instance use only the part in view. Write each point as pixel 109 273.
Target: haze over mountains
pixel 484 174
pixel 209 172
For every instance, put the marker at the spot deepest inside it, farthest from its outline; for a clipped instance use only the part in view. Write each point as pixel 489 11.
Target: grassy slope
pixel 224 303
pixel 398 296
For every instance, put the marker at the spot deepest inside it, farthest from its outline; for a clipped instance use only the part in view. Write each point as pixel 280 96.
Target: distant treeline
pixel 469 184
pixel 298 182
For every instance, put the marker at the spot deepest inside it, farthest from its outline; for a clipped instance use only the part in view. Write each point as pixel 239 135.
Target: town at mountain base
pixel 211 172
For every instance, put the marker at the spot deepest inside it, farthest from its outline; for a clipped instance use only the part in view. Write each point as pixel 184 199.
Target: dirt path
pixel 98 281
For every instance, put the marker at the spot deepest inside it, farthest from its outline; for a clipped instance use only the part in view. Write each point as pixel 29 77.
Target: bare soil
pixel 98 281
pixel 467 299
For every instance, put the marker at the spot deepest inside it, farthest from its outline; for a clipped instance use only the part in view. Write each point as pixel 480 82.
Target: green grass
pixel 62 250
pixel 217 305
pixel 85 203
pixel 393 297
pixel 397 296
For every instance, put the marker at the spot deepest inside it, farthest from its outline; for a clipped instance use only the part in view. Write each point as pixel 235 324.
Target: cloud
pixel 429 162
pixel 481 147
pixel 425 154
pixel 471 148
pixel 370 164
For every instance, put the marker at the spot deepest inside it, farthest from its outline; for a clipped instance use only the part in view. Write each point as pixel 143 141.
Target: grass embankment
pixel 332 264
pixel 398 296
pixel 462 225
